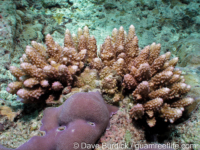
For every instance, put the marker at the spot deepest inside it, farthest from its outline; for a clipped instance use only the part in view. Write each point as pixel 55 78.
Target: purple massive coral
pixel 81 119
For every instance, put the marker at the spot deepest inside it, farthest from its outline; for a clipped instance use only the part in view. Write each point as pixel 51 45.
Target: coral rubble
pixel 121 132
pixel 7 111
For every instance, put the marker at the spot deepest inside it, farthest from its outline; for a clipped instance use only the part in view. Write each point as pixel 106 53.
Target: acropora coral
pixel 120 69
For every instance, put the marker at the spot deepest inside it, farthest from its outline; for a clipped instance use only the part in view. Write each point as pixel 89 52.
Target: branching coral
pixel 157 88
pixel 49 69
pixel 121 69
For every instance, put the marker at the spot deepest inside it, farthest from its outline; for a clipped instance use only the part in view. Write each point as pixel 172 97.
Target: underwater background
pixel 175 24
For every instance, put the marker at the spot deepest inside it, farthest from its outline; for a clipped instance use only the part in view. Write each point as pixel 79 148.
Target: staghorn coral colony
pixel 119 69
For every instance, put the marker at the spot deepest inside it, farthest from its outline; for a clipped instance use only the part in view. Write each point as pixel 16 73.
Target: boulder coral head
pixel 82 119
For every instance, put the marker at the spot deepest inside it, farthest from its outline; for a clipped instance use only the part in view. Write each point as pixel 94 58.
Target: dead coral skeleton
pixel 120 69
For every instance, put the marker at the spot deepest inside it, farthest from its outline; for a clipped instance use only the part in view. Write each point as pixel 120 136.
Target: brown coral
pixel 49 70
pixel 121 68
pixel 137 111
pixel 151 78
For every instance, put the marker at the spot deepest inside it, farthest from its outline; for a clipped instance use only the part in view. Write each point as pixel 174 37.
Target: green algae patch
pixel 128 137
pixel 58 17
